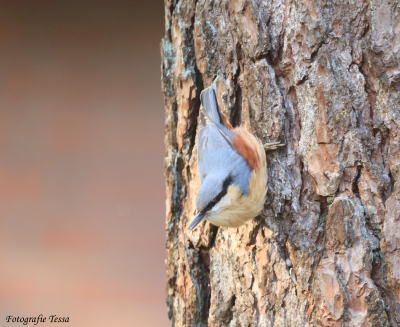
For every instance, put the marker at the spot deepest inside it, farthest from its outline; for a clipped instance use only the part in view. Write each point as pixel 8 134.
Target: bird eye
pixel 214 201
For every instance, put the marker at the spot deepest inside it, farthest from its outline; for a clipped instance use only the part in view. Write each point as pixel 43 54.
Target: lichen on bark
pixel 323 77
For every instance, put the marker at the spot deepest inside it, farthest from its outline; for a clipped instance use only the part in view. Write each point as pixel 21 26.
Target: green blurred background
pixel 82 195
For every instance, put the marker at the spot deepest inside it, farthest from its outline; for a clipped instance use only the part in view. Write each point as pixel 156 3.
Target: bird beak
pixel 198 219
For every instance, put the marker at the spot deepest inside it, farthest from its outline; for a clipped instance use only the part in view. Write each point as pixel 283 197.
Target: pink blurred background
pixel 81 162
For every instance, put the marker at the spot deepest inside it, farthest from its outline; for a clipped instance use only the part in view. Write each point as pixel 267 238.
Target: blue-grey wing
pixel 214 144
pixel 213 150
pixel 208 129
pixel 208 98
pixel 210 139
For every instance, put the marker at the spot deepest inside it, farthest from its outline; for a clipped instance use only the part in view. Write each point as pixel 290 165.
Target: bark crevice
pixel 324 77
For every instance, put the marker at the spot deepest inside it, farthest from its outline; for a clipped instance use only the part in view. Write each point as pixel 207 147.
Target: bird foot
pixel 272 146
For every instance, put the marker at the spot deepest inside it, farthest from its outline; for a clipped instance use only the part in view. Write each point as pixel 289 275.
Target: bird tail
pixel 209 101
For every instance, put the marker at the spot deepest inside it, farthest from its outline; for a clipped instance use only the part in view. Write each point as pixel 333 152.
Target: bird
pixel 232 168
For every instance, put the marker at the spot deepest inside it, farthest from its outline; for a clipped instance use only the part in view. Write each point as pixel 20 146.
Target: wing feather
pixel 207 131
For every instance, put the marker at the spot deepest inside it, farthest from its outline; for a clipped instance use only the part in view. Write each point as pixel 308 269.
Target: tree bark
pixel 322 77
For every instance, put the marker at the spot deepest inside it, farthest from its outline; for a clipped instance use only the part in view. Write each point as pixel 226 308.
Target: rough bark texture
pixel 323 77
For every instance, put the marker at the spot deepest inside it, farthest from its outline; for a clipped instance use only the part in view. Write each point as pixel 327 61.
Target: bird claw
pixel 272 146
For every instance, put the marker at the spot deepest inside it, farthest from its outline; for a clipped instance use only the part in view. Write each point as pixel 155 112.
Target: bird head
pixel 212 197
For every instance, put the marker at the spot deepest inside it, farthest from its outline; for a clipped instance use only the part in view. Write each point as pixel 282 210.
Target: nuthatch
pixel 232 168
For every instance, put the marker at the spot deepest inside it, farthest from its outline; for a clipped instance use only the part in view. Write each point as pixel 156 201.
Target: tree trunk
pixel 322 77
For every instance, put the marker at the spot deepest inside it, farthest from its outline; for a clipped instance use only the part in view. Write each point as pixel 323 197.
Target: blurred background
pixel 82 193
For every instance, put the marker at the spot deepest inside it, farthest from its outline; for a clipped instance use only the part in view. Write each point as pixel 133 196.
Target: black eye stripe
pixel 225 186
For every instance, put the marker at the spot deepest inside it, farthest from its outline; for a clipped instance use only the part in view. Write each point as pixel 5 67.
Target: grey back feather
pixel 209 101
pixel 217 157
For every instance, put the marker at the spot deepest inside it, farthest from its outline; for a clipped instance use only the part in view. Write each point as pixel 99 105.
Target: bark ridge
pixel 322 77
